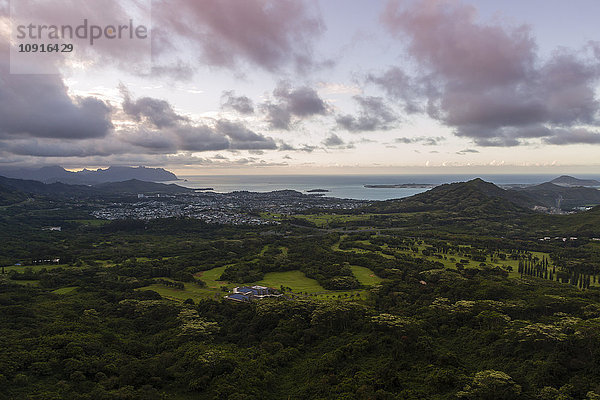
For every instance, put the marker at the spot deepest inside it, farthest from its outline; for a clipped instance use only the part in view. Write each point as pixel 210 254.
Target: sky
pixel 307 86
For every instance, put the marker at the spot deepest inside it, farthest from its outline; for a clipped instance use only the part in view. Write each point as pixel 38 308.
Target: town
pixel 236 208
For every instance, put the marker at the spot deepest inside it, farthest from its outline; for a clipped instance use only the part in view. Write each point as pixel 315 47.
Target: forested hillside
pixel 436 304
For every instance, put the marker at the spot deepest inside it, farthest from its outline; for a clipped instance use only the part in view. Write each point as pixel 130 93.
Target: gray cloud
pixel 374 114
pixel 45 147
pixel 305 147
pixel 302 102
pixel 400 87
pixel 278 117
pixel 486 81
pixel 39 106
pixel 243 138
pixel 241 104
pixel 425 140
pixel 199 138
pixel 157 112
pixel 334 141
pixel 466 151
pixel 163 130
pixel 574 136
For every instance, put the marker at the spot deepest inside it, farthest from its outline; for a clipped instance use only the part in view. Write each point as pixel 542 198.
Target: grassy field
pixel 449 261
pixel 365 276
pixel 65 290
pixel 191 291
pixel 296 280
pixel 27 283
pixel 292 279
pixel 35 268
pixel 326 220
pixel 336 247
pixel 90 222
pixel 211 277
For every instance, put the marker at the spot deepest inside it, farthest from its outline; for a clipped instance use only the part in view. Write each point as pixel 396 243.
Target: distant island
pixel 566 180
pixel 205 189
pixel 317 191
pixel 52 174
pixel 403 186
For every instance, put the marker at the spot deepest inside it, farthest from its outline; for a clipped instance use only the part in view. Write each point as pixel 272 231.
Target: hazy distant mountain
pixel 566 180
pixel 16 190
pixel 53 174
pixel 137 186
pixel 566 197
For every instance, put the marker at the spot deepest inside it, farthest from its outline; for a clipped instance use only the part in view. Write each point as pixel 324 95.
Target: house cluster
pixel 249 293
pixel 564 239
pixel 47 261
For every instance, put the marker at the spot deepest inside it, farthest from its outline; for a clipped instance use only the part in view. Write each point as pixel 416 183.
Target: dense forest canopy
pixel 463 294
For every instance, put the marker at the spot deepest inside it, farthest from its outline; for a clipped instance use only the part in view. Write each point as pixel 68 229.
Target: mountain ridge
pixel 17 188
pixel 569 181
pixel 52 174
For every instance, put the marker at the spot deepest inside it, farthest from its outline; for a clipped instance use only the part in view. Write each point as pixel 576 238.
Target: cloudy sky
pixel 313 86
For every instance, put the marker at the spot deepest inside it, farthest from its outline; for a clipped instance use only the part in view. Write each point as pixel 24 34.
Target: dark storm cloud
pixel 302 102
pixel 486 81
pixel 59 147
pixel 39 106
pixel 271 34
pixel 374 114
pixel 241 104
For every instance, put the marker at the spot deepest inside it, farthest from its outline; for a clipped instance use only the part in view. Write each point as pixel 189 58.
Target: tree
pixel 491 385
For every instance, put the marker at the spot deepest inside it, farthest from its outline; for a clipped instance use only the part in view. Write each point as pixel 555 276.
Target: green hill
pixel 10 196
pixel 472 198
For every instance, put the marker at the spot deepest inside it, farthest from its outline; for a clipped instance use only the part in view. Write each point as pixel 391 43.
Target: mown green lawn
pixel 365 276
pixel 211 277
pixel 191 291
pixel 296 280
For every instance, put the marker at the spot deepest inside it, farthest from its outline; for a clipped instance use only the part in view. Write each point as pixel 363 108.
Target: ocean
pixel 349 186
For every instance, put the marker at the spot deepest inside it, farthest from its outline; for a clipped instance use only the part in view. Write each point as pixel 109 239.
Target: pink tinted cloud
pixel 486 80
pixel 271 34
